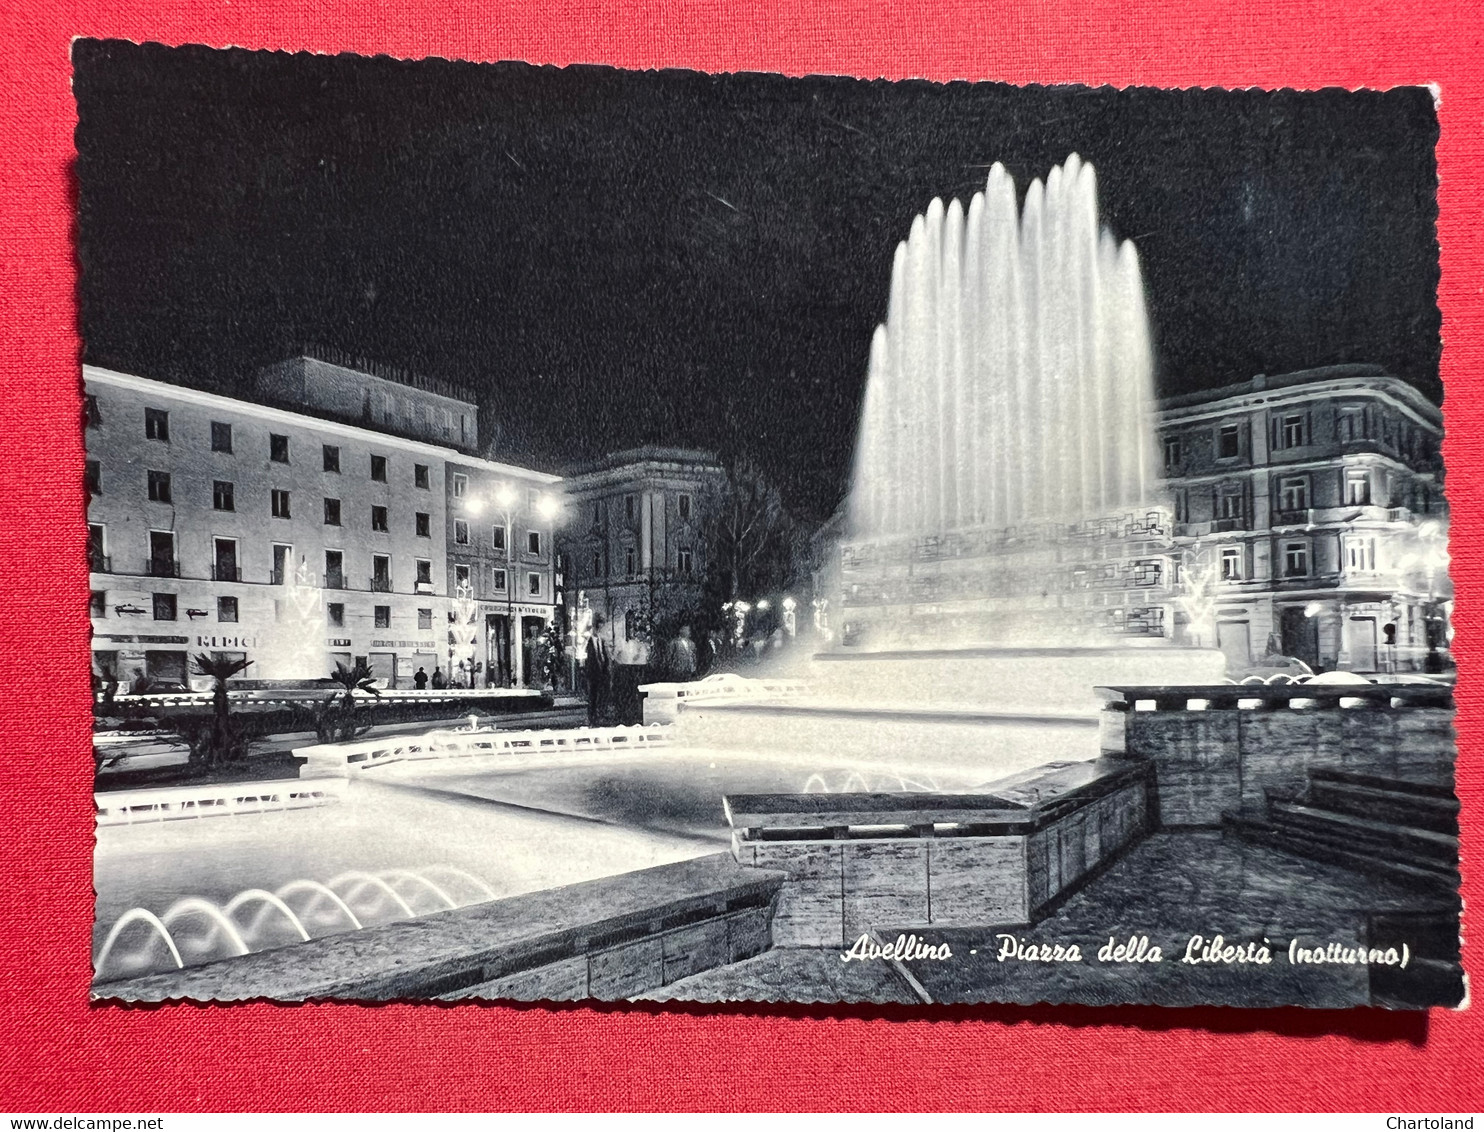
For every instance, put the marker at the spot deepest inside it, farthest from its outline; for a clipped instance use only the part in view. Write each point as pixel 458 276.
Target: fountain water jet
pixel 1007 545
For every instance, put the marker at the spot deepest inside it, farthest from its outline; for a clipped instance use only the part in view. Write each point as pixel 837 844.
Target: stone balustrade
pixel 1222 747
pixel 172 803
pixel 662 700
pixel 345 759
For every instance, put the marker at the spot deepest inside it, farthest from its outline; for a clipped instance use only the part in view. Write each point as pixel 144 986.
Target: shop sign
pixel 420 646
pixel 213 642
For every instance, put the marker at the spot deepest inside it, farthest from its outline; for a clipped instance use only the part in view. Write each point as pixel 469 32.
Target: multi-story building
pixel 633 539
pixel 501 569
pixel 1310 519
pixel 227 526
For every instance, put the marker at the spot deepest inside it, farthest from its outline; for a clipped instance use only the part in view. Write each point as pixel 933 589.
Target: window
pixel 334 570
pixel 157 425
pixel 221 436
pixel 280 504
pixel 683 560
pixel 424 572
pixel 423 522
pixel 223 496
pixel 1231 563
pixel 1351 427
pixel 1182 506
pixel 1357 488
pixel 1172 452
pixel 460 485
pixel 164 607
pixel 628 561
pixel 378 519
pixel 460 576
pixel 1293 493
pixel 683 505
pixel 332 512
pixel 91 417
pixel 420 475
pixel 460 529
pixel 332 457
pixel 282 558
pixel 383 617
pixel 533 542
pixel 1229 442
pixel 629 504
pixel 224 560
pixel 162 562
pixel 1360 554
pixel 278 448
pixel 533 584
pixel 1295 559
pixel 498 578
pixel 226 609
pixel 424 618
pixel 447 424
pixel 335 613
pixel 378 469
pixel 1293 432
pixel 597 565
pixel 381 573
pixel 159 487
pixel 497 538
pixel 1229 503
pixel 97 553
pixel 92 477
pixel 98 603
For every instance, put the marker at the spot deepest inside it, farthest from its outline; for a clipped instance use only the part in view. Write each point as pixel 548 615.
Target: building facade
pixel 501 571
pixel 1310 519
pixel 226 526
pixel 633 543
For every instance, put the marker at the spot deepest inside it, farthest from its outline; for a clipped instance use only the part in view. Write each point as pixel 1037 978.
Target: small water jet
pixel 196 930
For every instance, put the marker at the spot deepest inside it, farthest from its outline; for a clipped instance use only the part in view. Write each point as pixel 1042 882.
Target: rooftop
pixel 1360 375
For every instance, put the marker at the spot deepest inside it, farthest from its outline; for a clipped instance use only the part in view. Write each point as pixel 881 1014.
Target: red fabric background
pixel 63 1055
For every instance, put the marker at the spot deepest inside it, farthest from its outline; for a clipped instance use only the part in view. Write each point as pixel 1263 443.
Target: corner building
pixel 1313 503
pixel 211 518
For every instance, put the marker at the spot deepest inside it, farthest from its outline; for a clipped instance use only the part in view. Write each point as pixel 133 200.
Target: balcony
pixel 1230 523
pixel 334 580
pixel 100 563
pixel 164 568
pixel 422 587
pixel 1293 518
pixel 380 585
pixel 222 572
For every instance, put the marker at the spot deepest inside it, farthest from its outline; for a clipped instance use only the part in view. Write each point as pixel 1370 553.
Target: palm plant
pixel 217 739
pixel 334 718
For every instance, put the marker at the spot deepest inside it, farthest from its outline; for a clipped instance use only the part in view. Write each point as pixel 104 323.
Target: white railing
pixel 170 803
pixel 344 759
pixel 309 695
pixel 662 700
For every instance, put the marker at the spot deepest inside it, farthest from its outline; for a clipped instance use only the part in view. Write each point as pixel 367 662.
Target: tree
pixel 219 738
pixel 752 542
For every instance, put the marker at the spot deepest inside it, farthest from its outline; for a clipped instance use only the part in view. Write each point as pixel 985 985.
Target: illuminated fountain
pixel 196 930
pixel 298 650
pixel 1008 547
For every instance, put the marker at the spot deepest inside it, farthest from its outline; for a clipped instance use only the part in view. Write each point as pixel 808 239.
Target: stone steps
pixel 1420 805
pixel 1367 832
pixel 1335 846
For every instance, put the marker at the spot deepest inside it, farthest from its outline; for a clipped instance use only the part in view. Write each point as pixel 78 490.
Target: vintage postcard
pixel 567 534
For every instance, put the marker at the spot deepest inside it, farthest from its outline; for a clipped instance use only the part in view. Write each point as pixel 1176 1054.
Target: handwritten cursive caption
pixel 1199 950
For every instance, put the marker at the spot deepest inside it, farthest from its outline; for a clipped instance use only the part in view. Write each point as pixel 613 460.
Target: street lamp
pixel 504 499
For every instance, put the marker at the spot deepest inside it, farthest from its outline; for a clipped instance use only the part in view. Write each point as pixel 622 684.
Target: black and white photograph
pixel 572 533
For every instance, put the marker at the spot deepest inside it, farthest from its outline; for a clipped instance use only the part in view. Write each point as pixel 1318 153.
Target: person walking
pixel 596 665
pixel 439 680
pixel 420 680
pixel 682 658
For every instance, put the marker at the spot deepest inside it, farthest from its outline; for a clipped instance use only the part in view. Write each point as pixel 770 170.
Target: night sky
pixel 616 258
